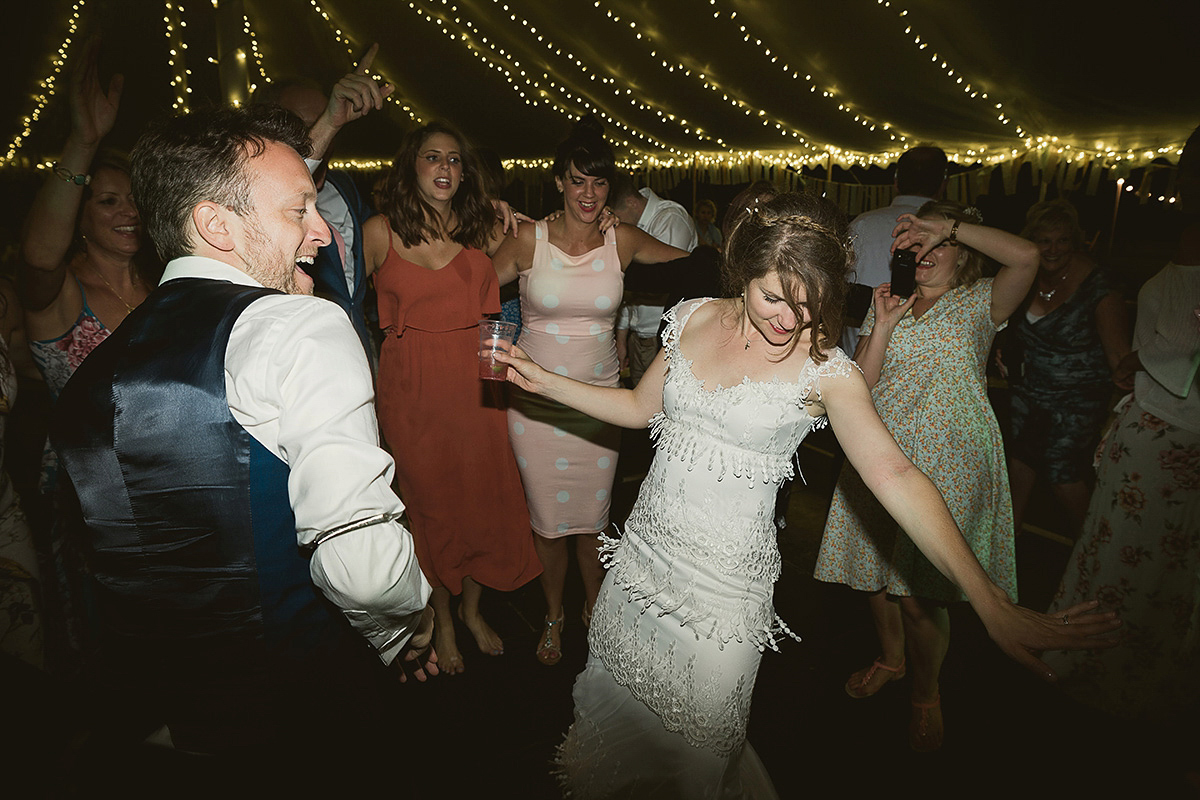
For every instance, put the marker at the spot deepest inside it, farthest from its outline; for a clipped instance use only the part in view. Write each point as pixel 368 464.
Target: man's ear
pixel 214 225
pixel 558 183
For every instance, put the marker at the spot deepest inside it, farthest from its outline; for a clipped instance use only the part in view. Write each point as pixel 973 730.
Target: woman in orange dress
pixel 429 252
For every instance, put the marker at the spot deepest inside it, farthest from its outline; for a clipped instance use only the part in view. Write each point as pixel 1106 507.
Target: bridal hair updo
pixel 805 240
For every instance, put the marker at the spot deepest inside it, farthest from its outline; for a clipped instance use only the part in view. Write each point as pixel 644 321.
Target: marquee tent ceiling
pixel 794 79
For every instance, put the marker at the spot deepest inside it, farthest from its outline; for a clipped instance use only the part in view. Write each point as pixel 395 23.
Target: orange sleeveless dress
pixel 447 428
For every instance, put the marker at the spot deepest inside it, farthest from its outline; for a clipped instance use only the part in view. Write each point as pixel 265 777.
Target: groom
pixel 241 528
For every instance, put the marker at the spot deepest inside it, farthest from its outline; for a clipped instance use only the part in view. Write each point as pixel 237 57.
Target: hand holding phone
pixel 904 273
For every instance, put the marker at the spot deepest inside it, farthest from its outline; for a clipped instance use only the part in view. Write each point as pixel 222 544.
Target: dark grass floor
pixel 491 731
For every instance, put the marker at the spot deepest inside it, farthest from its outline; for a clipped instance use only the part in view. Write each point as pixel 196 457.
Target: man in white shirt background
pixel 920 177
pixel 241 525
pixel 339 272
pixel 665 220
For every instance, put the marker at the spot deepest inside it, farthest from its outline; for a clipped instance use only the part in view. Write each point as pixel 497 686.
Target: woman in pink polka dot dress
pixel 571 278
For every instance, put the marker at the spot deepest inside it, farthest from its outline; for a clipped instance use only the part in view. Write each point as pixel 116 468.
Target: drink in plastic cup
pixel 494 335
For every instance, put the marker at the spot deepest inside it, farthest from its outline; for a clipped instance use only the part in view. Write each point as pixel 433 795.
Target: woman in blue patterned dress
pixel 1059 355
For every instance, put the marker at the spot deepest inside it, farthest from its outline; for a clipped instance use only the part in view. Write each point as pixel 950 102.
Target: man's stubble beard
pixel 260 253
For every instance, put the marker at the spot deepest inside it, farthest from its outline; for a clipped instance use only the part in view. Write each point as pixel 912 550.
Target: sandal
pixel 925 732
pixel 857 687
pixel 550 651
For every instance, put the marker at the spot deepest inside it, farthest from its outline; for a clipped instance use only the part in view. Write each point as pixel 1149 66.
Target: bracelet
pixel 953 239
pixel 82 179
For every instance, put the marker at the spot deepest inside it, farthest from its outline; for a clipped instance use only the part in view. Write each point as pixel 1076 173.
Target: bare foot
pixel 450 660
pixel 488 640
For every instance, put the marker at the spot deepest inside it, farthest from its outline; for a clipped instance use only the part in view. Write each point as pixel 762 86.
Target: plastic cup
pixel 494 336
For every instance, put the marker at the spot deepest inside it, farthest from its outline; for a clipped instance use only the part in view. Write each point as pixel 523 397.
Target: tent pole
pixel 1112 231
pixel 695 174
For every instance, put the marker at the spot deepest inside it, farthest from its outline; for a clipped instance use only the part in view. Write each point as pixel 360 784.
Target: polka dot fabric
pixel 567 459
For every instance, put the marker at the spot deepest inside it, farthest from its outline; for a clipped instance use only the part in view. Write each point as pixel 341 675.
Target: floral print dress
pixel 69 626
pixel 1139 552
pixel 58 358
pixel 932 396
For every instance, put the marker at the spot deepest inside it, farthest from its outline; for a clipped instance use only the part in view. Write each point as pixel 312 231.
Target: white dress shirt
pixel 334 209
pixel 668 222
pixel 297 380
pixel 871 232
pixel 1167 341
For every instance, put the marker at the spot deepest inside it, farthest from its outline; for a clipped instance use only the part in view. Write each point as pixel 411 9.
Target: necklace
pixel 1046 296
pixel 747 338
pixel 124 302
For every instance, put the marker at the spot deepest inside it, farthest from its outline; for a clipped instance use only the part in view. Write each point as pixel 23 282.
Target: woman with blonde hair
pixel 924 358
pixel 1059 355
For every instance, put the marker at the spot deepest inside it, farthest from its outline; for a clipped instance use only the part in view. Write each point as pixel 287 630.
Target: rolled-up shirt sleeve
pixel 298 381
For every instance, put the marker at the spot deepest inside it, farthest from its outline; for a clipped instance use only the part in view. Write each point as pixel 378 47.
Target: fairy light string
pixel 396 97
pixel 176 48
pixel 534 91
pixel 609 84
pixel 46 86
pixel 556 83
pixel 674 63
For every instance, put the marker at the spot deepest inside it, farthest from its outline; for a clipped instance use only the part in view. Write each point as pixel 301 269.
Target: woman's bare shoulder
pixel 701 320
pixel 376 230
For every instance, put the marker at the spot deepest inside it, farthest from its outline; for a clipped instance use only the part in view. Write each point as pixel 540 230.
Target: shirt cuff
pixel 388 636
pixel 372 575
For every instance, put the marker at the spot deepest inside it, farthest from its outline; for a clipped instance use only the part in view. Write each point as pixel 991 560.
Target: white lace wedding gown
pixel 686 607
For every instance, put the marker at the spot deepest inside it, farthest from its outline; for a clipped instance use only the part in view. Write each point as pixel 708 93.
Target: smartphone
pixel 904 273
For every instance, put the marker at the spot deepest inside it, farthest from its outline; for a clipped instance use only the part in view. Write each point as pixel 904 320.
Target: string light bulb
pixel 47 86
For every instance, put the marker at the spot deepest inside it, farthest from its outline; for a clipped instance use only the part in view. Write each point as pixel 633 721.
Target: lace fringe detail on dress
pixel 746 620
pixel 680 442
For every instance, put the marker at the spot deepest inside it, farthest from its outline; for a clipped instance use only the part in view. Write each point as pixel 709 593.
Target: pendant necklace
pixel 1046 296
pixel 124 302
pixel 747 338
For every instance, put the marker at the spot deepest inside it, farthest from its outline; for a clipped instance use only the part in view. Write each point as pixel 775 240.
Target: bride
pixel 686 609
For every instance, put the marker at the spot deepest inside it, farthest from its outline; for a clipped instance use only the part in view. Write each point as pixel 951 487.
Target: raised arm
pixel 628 408
pixel 872 348
pixel 637 245
pixel 917 506
pixel 50 226
pixel 1018 258
pixel 353 97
